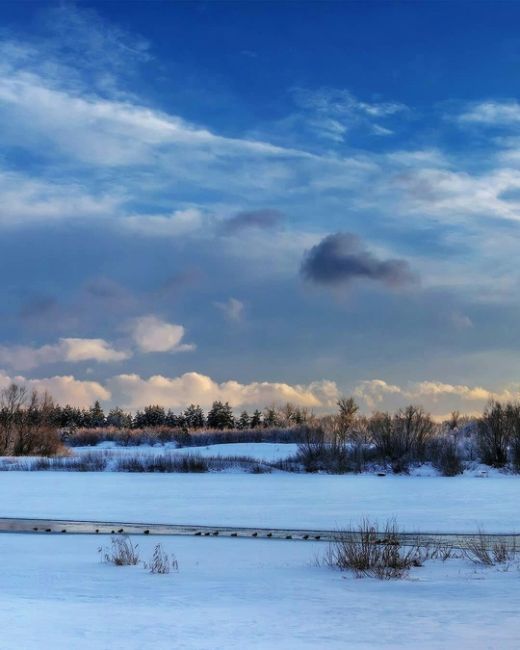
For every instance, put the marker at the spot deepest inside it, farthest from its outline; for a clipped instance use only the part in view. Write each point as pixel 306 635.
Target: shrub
pixel 26 423
pixel 91 462
pixel 121 552
pixel 160 562
pixel 403 438
pixel 445 456
pixel 369 554
pixel 312 450
pixel 512 415
pixel 162 463
pixel 479 550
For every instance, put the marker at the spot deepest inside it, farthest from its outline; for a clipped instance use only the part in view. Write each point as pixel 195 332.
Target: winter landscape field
pixel 275 593
pixel 259 308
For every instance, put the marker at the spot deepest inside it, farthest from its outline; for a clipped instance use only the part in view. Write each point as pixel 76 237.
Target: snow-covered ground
pixel 273 500
pixel 236 594
pixel 263 451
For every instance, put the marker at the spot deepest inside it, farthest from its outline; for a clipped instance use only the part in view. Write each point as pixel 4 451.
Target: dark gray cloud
pixel 340 259
pixel 266 218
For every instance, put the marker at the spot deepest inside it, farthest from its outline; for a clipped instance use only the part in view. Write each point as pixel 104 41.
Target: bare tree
pixel 493 435
pixel 26 423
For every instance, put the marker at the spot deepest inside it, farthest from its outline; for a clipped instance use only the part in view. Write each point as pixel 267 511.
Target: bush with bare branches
pixel 493 435
pixel 480 550
pixel 26 423
pixel 122 551
pixel 161 561
pixel 368 553
pixel 403 438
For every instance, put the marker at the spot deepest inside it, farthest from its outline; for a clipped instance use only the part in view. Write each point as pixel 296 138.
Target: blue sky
pixel 261 202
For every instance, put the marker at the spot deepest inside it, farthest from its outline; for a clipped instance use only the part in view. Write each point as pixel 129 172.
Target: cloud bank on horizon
pixel 299 219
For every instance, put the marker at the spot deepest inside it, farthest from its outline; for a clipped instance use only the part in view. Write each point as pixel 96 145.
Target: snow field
pixel 427 504
pixel 235 594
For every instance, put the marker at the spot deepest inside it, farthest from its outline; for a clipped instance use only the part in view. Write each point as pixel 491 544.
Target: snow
pixel 429 504
pixel 263 451
pixel 235 594
pixel 244 593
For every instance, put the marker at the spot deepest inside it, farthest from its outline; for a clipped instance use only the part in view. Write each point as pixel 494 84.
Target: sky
pixel 261 202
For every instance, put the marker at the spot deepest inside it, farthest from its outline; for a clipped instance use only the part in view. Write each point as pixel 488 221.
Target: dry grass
pixel 368 553
pixel 479 550
pixel 161 562
pixel 121 552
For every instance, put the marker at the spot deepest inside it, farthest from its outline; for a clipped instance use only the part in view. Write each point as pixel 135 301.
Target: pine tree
pixel 118 418
pixel 244 421
pixel 256 420
pixel 96 416
pixel 194 417
pixel 221 416
pixel 153 415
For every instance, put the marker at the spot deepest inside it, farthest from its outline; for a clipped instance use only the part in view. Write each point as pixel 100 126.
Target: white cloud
pixel 22 357
pixel 180 222
pixel 100 131
pixel 492 113
pixel 439 397
pixel 151 334
pixel 76 349
pixel 332 112
pixel 64 389
pixel 28 200
pixel 134 392
pixel 233 309
pixel 373 391
pixel 453 196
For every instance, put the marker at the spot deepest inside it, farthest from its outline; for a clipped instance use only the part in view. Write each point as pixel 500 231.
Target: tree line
pixel 220 416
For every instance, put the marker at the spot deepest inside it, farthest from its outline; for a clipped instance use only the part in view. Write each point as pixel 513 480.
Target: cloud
pixel 70 350
pixel 461 321
pixel 28 200
pixel 82 32
pixel 180 222
pixel 91 349
pixel 151 334
pixel 65 389
pixel 439 397
pixel 332 112
pixel 492 113
pixel 108 132
pixel 266 218
pixel 373 391
pixel 340 259
pixel 174 392
pixel 233 309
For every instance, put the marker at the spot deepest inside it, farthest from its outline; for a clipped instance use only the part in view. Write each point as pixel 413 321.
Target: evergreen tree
pixel 95 416
pixel 244 421
pixel 172 420
pixel 221 416
pixel 118 418
pixel 194 417
pixel 271 418
pixel 154 415
pixel 256 419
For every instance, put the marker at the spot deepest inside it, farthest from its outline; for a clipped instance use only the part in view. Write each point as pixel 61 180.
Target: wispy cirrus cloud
pixel 232 308
pixel 491 113
pixel 333 112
